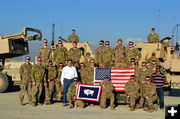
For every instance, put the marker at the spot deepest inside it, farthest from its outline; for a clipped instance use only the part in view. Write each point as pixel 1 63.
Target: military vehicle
pixel 14 45
pixel 169 59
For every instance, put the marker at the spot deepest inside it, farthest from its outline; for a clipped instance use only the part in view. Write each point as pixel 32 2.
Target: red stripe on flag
pixel 120 79
pixel 119 86
pixel 122 68
pixel 123 72
pixel 120 75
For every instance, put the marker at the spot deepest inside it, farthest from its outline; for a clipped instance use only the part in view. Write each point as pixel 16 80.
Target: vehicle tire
pixel 4 82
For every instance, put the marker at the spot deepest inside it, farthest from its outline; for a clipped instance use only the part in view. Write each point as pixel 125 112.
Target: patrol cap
pixel 75 79
pixel 119 40
pixel 148 78
pixel 87 53
pixel 133 60
pixel 132 77
pixel 106 77
pixel 153 54
pixel 153 29
pixel 73 30
pixel 101 41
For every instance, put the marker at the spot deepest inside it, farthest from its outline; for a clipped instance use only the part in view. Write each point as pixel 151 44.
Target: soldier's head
pixel 106 78
pixel 69 62
pixel 131 44
pixel 74 44
pixel 28 59
pixel 153 30
pixel 82 65
pixel 133 61
pixel 92 62
pixel 158 69
pixel 154 63
pixel 153 54
pixel 60 66
pixel 144 65
pixel 101 43
pixel 107 44
pixel 39 61
pixel 148 79
pixel 88 55
pixel 73 31
pixel 119 41
pixel 75 80
pixel 60 44
pixel 45 42
pixel 132 78
pixel 50 63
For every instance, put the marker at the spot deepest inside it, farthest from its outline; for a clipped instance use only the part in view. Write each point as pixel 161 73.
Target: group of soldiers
pixel 47 72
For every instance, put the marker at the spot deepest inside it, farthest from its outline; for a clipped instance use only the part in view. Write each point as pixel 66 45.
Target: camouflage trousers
pixel 149 102
pixel 26 85
pixel 77 103
pixel 36 92
pixel 141 101
pixel 132 99
pixel 104 97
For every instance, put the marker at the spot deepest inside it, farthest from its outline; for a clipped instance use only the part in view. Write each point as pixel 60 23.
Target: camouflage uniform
pixel 87 62
pixel 136 70
pixel 151 59
pixel 51 74
pixel 98 54
pixel 153 38
pixel 70 96
pixel 83 74
pixel 106 57
pixel 59 89
pixel 89 75
pixel 119 57
pixel 75 55
pixel 73 38
pixel 38 75
pixel 60 55
pixel 142 77
pixel 107 93
pixel 133 89
pixel 132 53
pixel 26 82
pixel 150 91
pixel 44 52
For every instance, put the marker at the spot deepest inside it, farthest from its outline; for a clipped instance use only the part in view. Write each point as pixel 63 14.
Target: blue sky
pixel 93 20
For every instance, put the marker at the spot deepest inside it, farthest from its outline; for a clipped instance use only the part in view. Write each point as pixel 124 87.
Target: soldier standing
pixel 75 55
pixel 59 87
pixel 51 75
pixel 107 93
pixel 106 57
pixel 71 95
pixel 87 59
pixel 136 69
pixel 149 94
pixel 60 54
pixel 132 92
pixel 153 37
pixel 99 52
pixel 153 57
pixel 119 55
pixel 38 77
pixel 153 66
pixel 132 52
pixel 73 37
pixel 26 82
pixel 44 52
pixel 82 72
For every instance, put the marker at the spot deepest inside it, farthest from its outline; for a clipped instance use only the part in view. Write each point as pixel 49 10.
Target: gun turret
pixel 60 37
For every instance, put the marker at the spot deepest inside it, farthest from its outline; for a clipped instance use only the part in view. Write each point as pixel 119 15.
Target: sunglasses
pixel 92 62
pixel 45 42
pixel 133 61
pixel 106 44
pixel 27 59
pixel 132 78
pixel 59 43
pixel 39 60
pixel 143 65
pixel 130 44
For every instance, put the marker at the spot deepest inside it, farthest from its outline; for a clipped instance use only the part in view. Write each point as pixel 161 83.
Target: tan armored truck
pixel 14 45
pixel 169 60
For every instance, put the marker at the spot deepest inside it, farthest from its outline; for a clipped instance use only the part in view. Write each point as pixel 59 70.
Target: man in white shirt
pixel 67 76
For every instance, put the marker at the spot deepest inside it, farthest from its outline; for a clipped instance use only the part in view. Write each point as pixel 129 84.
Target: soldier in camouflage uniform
pixel 106 57
pixel 119 55
pixel 153 37
pixel 82 72
pixel 75 55
pixel 143 72
pixel 107 93
pixel 132 52
pixel 149 94
pixel 73 37
pixel 132 92
pixel 26 82
pixel 71 95
pixel 44 52
pixel 153 57
pixel 38 76
pixel 59 88
pixel 60 54
pixel 51 75
pixel 87 59
pixel 99 52
pixel 136 69
pixel 153 66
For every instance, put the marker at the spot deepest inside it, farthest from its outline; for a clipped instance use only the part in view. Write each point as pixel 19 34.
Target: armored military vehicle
pixel 169 59
pixel 14 45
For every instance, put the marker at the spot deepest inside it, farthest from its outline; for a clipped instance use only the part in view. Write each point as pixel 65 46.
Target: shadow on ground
pixel 14 88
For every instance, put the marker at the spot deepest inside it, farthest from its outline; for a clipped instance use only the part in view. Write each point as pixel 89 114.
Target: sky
pixel 93 20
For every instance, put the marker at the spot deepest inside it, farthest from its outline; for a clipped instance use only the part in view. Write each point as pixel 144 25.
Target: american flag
pixel 118 76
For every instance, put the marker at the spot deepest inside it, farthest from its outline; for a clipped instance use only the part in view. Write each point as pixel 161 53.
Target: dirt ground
pixel 10 109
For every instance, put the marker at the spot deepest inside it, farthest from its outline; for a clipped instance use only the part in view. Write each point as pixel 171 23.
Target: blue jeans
pixel 160 92
pixel 67 83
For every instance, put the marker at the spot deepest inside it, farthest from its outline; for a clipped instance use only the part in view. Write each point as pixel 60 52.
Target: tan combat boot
pixel 59 95
pixel 146 108
pixel 112 107
pixel 70 106
pixel 132 108
pixel 75 104
pixel 21 102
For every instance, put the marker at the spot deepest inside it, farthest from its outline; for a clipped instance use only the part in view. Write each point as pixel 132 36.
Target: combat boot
pixel 155 106
pixel 112 107
pixel 141 105
pixel 137 106
pixel 59 95
pixel 75 104
pixel 146 108
pixel 21 102
pixel 70 106
pixel 30 102
pixel 132 108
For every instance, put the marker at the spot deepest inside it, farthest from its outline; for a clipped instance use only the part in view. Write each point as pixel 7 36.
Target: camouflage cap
pixel 73 29
pixel 75 79
pixel 153 29
pixel 153 53
pixel 106 77
pixel 87 53
pixel 119 40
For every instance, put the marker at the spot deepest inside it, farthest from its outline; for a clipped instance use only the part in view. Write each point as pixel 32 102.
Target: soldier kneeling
pixel 149 94
pixel 107 93
pixel 71 95
pixel 132 92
